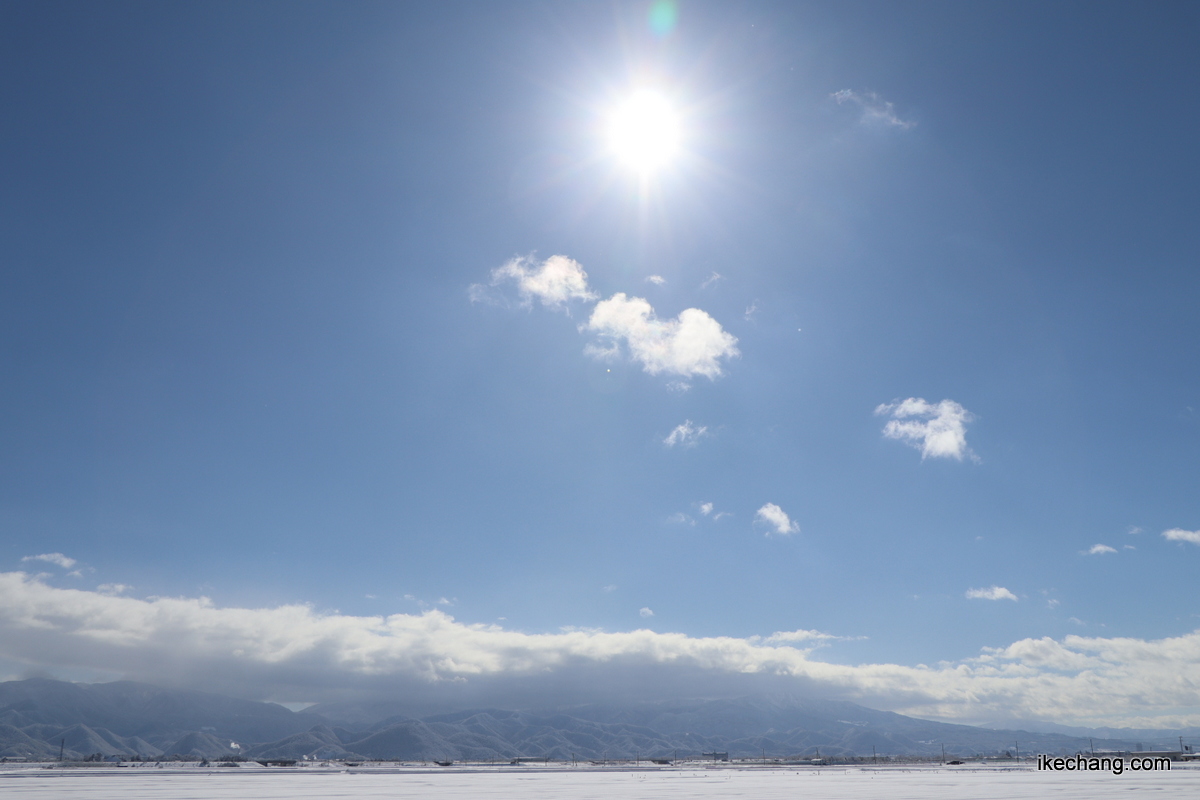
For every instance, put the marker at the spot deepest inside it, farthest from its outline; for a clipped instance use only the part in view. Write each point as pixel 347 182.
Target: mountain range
pixel 39 718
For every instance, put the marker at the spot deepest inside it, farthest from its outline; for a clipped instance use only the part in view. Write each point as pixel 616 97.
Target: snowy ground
pixel 890 783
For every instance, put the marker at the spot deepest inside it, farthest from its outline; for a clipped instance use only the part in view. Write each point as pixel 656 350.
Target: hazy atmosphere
pixel 526 354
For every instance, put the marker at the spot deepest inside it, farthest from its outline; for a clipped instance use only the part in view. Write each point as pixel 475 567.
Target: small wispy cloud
pixel 553 282
pixel 875 110
pixel 1134 530
pixel 610 588
pixel 1180 535
pixel 691 344
pixel 991 593
pixel 706 508
pixel 657 280
pixel 776 520
pixel 1100 549
pixel 685 434
pixel 645 612
pixel 680 518
pixel 751 310
pixel 712 280
pixel 58 559
pixel 113 589
pixel 938 430
pixel 802 637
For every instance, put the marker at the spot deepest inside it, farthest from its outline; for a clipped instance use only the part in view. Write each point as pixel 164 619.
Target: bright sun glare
pixel 644 131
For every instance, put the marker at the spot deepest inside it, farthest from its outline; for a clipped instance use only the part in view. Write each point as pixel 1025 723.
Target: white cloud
pixel 612 587
pixel 657 280
pixel 1180 535
pixel 991 593
pixel 691 344
pixel 645 612
pixel 680 518
pixel 57 559
pixel 875 110
pixel 1100 549
pixel 801 637
pixel 936 429
pixel 751 310
pixel 685 434
pixel 1052 603
pixel 1134 530
pixel 706 508
pixel 295 653
pixel 113 588
pixel 554 282
pixel 715 278
pixel 779 522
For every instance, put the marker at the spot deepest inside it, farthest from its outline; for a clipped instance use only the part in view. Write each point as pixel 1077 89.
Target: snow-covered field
pixel 892 783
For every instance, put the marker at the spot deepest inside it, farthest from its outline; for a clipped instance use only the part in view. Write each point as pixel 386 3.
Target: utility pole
pixel 61 745
pixel 943 754
pixel 874 759
pixel 1092 745
pixel 1018 746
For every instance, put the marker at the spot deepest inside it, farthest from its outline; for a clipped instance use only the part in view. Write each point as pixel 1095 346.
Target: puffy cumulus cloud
pixel 1099 550
pixel 991 593
pixel 691 344
pixel 58 559
pixel 1180 535
pixel 657 280
pixel 685 434
pixel 875 110
pixel 706 508
pixel 776 520
pixel 645 612
pixel 293 653
pixel 938 430
pixel 554 282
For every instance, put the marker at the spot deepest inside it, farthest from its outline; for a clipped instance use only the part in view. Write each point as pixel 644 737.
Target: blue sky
pixel 327 312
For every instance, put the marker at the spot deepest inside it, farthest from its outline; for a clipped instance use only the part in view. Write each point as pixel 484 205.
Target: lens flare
pixel 662 17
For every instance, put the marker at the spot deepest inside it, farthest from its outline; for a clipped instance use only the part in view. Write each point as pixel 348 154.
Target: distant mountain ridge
pixel 127 719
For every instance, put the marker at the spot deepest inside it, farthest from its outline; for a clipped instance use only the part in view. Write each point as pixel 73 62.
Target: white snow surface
pixel 826 783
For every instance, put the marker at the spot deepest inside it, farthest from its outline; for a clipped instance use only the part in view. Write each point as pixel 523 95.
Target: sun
pixel 644 131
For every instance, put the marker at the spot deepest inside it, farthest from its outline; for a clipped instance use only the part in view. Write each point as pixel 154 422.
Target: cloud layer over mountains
pixel 294 654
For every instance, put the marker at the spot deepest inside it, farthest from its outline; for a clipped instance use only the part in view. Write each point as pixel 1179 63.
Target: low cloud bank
pixel 293 653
